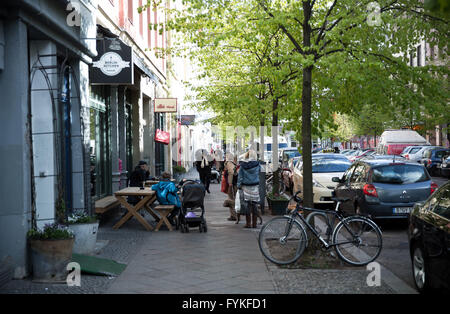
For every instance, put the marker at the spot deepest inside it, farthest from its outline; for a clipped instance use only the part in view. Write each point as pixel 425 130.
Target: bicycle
pixel 269 183
pixel 356 239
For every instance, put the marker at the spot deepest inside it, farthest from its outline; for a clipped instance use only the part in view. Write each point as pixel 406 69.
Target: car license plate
pixel 402 210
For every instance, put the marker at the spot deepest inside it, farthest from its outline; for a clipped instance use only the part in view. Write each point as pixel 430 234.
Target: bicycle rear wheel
pixel 357 240
pixel 282 240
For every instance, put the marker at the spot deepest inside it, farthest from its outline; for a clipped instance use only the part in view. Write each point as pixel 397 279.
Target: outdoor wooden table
pixel 149 197
pixel 151 182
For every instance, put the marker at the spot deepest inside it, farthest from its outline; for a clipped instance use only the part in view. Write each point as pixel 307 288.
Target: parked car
pixel 384 157
pixel 432 158
pixel 416 152
pixel 288 153
pixel 429 241
pixel 324 168
pixel 352 152
pixel 383 189
pixel 392 142
pixel 445 167
pixel 361 154
pixel 287 174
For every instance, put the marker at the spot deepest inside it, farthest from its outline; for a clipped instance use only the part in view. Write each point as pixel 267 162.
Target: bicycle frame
pixel 336 213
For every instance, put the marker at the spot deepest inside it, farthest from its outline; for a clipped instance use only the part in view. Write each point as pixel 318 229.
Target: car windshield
pixel 323 165
pixel 399 174
pixel 414 150
pixel 291 153
pixel 406 149
pixel 441 153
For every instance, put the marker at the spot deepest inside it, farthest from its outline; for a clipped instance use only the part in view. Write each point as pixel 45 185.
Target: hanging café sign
pixel 113 64
pixel 165 105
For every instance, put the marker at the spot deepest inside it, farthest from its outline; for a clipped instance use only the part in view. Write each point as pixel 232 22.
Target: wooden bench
pixel 163 211
pixel 104 204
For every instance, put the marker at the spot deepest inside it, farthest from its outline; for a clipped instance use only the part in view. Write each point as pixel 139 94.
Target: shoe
pixel 231 219
pixel 208 191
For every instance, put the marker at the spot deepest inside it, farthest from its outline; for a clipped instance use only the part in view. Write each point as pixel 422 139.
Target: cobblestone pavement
pixel 224 260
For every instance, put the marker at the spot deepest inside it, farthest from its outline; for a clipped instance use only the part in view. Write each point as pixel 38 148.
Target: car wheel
pixel 420 269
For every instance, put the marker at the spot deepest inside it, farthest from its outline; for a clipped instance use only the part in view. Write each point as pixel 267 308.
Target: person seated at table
pixel 137 179
pixel 166 194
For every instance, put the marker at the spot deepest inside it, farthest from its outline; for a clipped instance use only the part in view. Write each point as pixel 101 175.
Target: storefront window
pixel 100 157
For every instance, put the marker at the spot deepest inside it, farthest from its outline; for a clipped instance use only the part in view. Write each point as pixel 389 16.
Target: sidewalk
pixel 224 260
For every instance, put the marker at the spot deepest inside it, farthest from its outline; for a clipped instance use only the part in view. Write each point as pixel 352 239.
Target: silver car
pixel 416 152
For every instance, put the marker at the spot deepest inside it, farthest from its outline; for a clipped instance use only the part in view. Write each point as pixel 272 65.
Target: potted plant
pixel 277 203
pixel 85 228
pixel 178 171
pixel 51 251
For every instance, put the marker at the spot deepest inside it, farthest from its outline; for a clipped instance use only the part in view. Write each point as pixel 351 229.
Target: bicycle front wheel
pixel 282 240
pixel 357 240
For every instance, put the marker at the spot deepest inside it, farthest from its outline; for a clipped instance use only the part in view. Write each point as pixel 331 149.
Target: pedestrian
pixel 166 194
pixel 204 169
pixel 137 179
pixel 230 173
pixel 248 185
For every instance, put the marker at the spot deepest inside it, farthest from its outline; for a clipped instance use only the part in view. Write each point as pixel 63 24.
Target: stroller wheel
pixel 200 228
pixel 186 228
pixel 205 228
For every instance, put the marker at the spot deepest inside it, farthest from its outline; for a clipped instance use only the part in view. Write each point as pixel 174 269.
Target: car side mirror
pixel 336 179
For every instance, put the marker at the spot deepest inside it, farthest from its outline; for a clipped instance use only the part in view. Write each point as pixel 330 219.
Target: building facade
pixel 69 138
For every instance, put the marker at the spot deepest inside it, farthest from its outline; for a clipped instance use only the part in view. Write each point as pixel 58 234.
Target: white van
pixel 392 142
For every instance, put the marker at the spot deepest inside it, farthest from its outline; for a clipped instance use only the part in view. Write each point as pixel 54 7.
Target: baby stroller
pixel 192 197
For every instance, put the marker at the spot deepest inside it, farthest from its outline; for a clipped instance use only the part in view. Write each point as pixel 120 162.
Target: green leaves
pixel 254 51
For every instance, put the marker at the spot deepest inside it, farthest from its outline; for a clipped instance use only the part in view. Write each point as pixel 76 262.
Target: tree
pixel 345 56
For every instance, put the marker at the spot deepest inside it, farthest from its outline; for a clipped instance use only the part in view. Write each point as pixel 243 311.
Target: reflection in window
pixel 443 207
pixel 399 174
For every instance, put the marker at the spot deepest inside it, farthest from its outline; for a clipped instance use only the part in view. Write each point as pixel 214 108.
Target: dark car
pixel 445 167
pixel 432 159
pixel 383 189
pixel 429 241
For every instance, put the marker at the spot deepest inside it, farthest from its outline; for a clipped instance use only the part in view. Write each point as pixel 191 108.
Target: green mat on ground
pixel 98 266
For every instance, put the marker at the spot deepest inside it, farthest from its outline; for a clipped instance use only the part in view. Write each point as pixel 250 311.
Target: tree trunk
pixel 276 176
pixel 306 112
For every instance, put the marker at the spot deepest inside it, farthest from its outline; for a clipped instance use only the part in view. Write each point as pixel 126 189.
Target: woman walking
pixel 248 185
pixel 230 172
pixel 204 169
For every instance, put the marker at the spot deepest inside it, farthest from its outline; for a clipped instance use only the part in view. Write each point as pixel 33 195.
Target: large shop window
pixel 101 180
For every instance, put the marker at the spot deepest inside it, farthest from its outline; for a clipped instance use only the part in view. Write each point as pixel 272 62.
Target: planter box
pixel 85 237
pixel 50 259
pixel 278 207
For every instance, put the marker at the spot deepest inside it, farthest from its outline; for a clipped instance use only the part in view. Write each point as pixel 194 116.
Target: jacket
pixel 248 173
pixel 166 193
pixel 138 177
